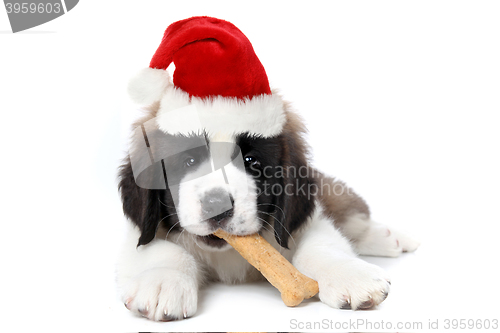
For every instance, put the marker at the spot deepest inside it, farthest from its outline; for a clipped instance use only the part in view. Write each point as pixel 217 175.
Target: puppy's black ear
pixel 152 217
pixel 297 199
pixel 142 206
pixel 296 203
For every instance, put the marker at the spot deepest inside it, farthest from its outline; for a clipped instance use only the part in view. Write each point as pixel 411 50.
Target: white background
pixel 401 100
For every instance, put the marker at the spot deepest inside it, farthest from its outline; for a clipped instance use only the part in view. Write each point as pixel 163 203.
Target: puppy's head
pixel 196 184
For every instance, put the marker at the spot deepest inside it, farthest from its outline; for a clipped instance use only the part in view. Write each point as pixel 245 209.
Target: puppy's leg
pixel 374 239
pixel 158 280
pixel 351 216
pixel 345 281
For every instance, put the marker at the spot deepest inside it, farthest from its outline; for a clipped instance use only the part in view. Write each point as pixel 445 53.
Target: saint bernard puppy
pixel 216 148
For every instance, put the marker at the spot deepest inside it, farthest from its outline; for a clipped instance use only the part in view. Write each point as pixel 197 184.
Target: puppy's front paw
pixel 353 284
pixel 162 294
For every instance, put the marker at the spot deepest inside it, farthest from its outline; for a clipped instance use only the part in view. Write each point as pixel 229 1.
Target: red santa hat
pixel 219 84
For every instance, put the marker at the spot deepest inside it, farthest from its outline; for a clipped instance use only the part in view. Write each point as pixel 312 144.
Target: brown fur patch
pixel 341 202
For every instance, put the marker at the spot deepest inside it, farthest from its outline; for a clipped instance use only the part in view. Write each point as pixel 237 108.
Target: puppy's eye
pixel 190 161
pixel 251 161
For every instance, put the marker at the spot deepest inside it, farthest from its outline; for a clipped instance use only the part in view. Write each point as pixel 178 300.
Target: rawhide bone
pixel 292 284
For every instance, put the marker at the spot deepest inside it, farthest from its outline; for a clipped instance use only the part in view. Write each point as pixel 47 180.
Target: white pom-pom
pixel 148 85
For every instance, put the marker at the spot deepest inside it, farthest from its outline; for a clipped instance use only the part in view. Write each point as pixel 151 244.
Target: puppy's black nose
pixel 216 205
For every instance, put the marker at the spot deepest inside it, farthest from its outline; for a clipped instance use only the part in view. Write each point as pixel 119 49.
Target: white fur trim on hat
pixel 262 115
pixel 148 86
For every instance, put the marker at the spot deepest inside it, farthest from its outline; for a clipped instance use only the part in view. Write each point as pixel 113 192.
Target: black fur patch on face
pixel 283 198
pixel 262 157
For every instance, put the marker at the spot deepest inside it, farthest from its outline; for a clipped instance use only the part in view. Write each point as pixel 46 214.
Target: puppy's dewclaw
pixel 293 285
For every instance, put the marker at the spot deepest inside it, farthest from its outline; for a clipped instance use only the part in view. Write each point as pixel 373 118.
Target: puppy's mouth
pixel 213 241
pixel 219 221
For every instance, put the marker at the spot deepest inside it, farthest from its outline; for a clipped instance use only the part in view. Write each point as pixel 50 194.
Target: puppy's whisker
pixel 165 204
pixel 280 224
pixel 263 226
pixel 269 224
pixel 159 222
pixel 196 241
pixel 177 241
pixel 260 194
pixel 172 227
pixel 271 204
pixel 167 216
pixel 269 230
